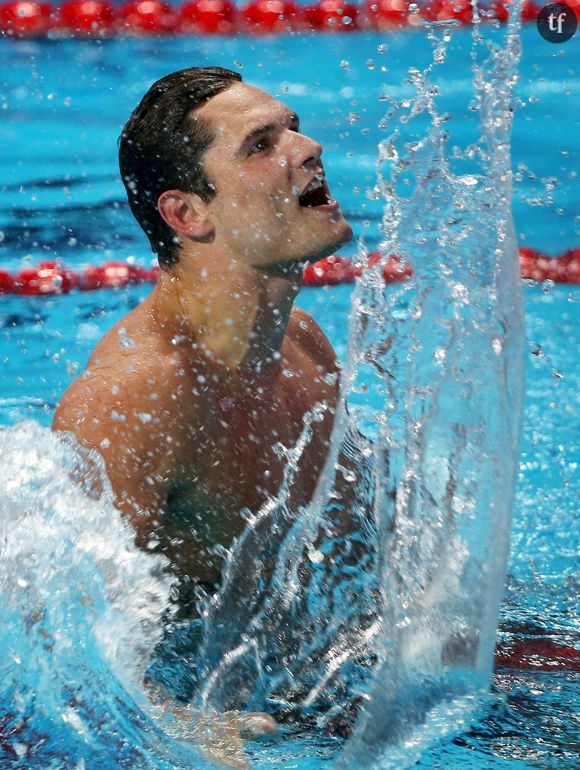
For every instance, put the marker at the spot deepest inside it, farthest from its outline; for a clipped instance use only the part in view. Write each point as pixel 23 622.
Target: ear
pixel 187 214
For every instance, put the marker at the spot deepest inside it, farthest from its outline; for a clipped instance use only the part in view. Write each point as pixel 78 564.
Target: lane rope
pixel 103 19
pixel 54 278
pixel 536 654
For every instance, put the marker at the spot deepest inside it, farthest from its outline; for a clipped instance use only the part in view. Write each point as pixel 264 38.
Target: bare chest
pixel 237 459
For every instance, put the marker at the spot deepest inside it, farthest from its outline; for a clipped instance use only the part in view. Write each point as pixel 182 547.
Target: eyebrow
pixel 292 118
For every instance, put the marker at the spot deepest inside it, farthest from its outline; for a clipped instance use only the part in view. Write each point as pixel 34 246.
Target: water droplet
pixel 316 557
pixel 388 151
pixel 440 355
pixel 439 55
pixel 124 340
pixel 20 749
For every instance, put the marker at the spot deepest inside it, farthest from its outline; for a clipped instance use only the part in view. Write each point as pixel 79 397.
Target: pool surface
pixel 63 104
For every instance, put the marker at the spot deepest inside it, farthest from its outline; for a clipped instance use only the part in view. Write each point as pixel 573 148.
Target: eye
pixel 260 145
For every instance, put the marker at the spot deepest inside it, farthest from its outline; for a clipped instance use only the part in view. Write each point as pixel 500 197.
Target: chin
pixel 346 234
pixel 341 234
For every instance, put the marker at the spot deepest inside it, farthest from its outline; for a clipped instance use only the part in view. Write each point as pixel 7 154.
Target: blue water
pixel 64 105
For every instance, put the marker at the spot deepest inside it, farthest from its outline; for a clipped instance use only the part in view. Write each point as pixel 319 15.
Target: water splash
pixel 80 613
pixel 448 446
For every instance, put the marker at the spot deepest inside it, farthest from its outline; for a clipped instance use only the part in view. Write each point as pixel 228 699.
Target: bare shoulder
pixel 304 330
pixel 128 398
pixel 128 364
pixel 126 409
pixel 114 391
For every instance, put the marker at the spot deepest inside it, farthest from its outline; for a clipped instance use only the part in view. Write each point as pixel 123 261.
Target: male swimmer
pixel 186 397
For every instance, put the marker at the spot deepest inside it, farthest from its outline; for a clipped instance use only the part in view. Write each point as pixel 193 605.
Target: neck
pixel 236 315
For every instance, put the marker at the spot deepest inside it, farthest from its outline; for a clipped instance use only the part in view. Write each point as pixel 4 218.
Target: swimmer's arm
pixel 137 468
pixel 221 737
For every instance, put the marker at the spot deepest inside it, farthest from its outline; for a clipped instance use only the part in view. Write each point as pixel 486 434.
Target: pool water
pixel 63 106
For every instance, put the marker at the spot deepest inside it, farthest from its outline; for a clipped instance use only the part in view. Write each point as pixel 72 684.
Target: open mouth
pixel 316 194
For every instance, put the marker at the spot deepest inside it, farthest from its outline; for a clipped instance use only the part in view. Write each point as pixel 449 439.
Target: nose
pixel 305 153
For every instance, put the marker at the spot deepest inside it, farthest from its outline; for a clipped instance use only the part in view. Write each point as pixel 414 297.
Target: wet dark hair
pixel 162 147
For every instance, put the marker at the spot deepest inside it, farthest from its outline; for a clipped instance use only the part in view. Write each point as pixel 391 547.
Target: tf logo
pixel 557 22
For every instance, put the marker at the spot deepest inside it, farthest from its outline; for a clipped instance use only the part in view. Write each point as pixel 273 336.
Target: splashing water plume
pixel 81 608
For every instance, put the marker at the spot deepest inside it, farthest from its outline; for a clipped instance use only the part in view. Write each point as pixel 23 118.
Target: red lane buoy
pixel 146 17
pixel 571 260
pixel 573 265
pixel 558 269
pixel 271 17
pixel 329 272
pixel 46 279
pixel 537 654
pixel 530 11
pixel 86 18
pixel 497 10
pixel 111 275
pixel 6 282
pixel 24 18
pixel 529 264
pixel 386 14
pixel 207 17
pixel 500 10
pixel 50 278
pixel 332 16
pixel 394 268
pixel 147 274
pixel 539 267
pixel 441 10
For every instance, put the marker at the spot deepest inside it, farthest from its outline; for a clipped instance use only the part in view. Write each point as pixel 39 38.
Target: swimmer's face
pixel 262 166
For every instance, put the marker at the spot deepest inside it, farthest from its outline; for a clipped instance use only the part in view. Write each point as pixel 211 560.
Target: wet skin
pixel 187 444
pixel 192 416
